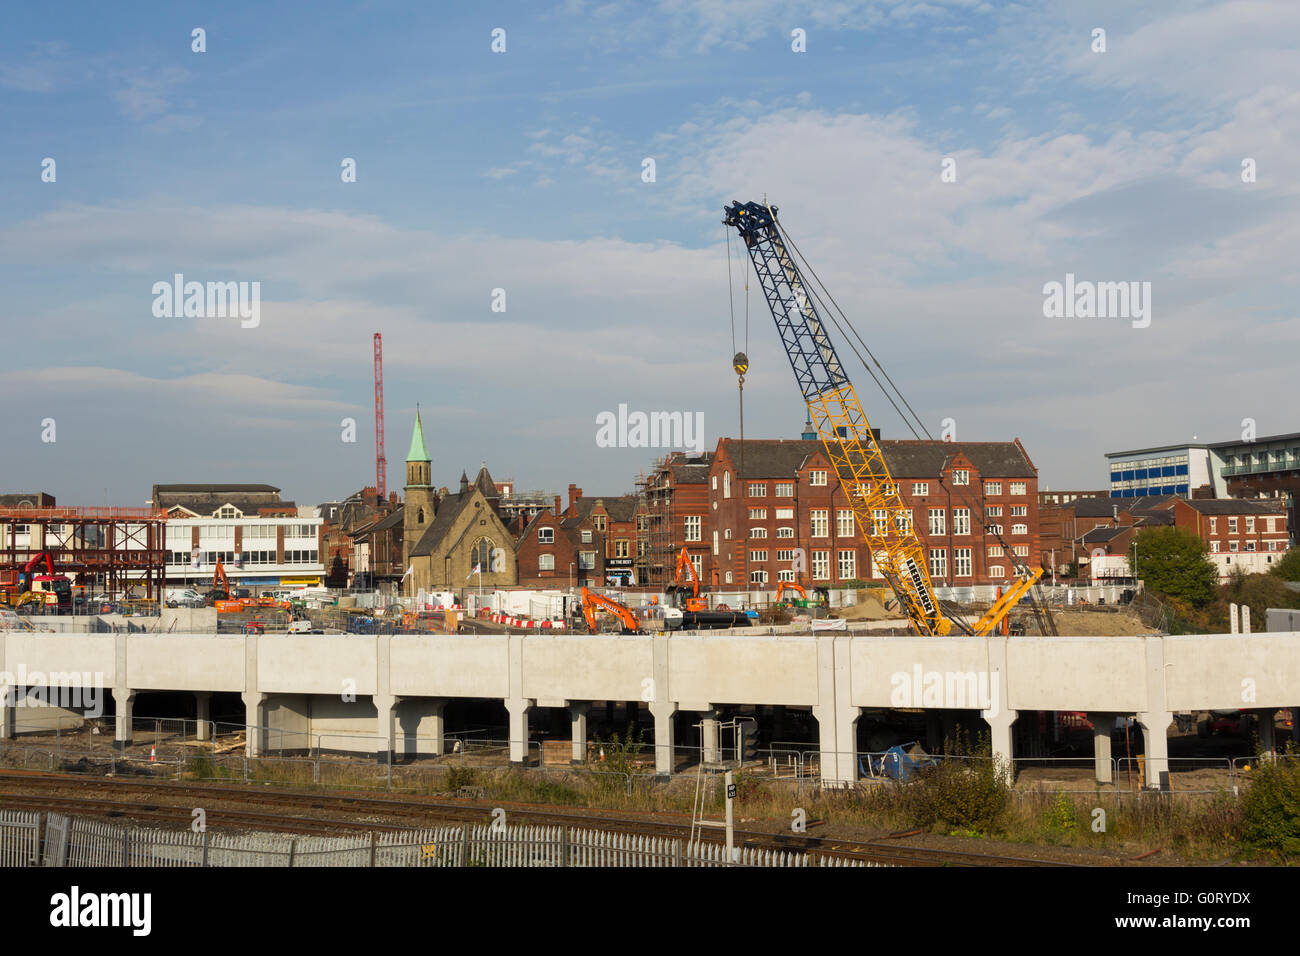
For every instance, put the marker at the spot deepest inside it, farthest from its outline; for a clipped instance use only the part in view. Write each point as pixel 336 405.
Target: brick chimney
pixel 574 494
pixel 556 512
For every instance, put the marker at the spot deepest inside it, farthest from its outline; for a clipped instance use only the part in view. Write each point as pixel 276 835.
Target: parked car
pixel 184 597
pixel 1234 723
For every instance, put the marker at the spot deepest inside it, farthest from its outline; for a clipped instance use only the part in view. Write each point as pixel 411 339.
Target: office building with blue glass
pixel 1167 470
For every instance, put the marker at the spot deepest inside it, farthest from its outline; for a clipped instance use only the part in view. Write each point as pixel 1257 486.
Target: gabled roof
pixel 449 509
pixel 484 483
pixel 393 520
pixel 1094 507
pixel 544 514
pixel 1100 535
pixel 690 470
pixel 925 459
pixel 766 458
pixel 213 490
pixel 248 507
pixel 771 458
pixel 619 508
pixel 1238 506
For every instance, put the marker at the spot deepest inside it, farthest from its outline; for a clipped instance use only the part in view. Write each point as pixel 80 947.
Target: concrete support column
pixel 385 708
pixel 1000 723
pixel 1102 725
pixel 518 708
pixel 124 706
pixel 999 715
pixel 578 724
pixel 1155 734
pixel 254 719
pixel 663 716
pixel 1267 718
pixel 203 715
pixel 438 726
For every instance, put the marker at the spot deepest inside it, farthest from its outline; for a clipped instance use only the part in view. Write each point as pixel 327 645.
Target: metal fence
pixel 80 842
pixel 20 837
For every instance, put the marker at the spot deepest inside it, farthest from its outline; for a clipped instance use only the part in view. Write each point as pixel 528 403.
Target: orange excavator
pixel 219 595
pixel 784 586
pixel 694 602
pixel 591 601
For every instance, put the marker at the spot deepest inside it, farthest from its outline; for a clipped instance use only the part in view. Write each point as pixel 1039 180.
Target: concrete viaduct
pixel 300 684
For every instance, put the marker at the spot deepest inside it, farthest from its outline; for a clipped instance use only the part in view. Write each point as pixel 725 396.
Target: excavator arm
pixel 219 575
pixel 784 586
pixel 591 601
pixel 686 568
pixel 834 409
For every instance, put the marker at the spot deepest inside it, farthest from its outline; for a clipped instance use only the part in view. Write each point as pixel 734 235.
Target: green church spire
pixel 418 450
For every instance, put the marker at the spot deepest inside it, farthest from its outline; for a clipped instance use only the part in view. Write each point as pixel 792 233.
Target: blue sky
pixel 522 171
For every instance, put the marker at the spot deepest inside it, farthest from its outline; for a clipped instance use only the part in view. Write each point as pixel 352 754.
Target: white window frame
pixel 847 565
pixel 820 564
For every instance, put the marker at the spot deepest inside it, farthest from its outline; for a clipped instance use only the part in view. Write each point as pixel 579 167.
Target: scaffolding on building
pixel 655 538
pixel 108 549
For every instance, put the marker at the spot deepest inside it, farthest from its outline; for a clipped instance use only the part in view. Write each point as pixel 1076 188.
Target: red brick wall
pixel 563 550
pixel 733 513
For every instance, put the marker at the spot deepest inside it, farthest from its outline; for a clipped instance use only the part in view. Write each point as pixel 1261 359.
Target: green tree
pixel 1173 562
pixel 1259 591
pixel 1288 567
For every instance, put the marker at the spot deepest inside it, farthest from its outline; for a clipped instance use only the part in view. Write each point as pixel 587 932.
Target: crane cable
pixel 785 237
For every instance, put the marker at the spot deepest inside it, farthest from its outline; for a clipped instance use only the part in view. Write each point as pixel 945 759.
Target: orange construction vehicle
pixel 591 602
pixel 784 586
pixel 219 596
pixel 30 592
pixel 694 602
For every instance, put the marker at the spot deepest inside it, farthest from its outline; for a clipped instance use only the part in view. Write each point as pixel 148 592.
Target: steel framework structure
pixel 112 547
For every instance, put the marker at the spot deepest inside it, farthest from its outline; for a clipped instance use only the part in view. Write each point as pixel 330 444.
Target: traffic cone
pixel 153 754
pixel 602 754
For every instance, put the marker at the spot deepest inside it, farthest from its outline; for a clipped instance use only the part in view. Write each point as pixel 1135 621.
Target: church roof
pixel 449 509
pixel 418 452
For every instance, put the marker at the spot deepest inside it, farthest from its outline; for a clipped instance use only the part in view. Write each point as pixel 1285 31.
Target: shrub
pixel 1060 816
pixel 966 794
pixel 458 777
pixel 1271 806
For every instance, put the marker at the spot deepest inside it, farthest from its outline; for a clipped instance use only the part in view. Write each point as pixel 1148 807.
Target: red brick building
pixel 592 542
pixel 673 515
pixel 1250 535
pixel 788 498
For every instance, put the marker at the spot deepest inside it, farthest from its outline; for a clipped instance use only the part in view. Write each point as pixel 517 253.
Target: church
pixel 446 535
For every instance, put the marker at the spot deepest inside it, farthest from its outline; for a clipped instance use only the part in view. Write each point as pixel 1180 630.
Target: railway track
pixel 168 802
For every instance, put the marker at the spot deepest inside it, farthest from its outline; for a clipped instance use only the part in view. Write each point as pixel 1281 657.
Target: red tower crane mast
pixel 381 463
